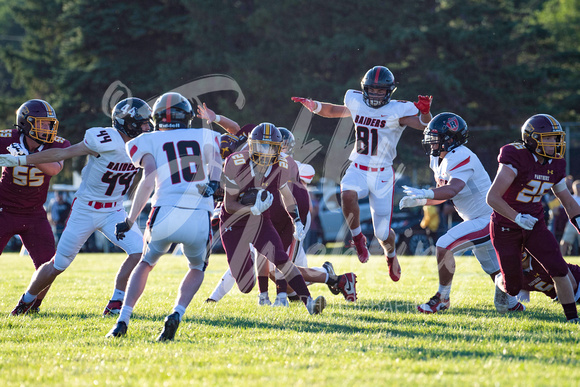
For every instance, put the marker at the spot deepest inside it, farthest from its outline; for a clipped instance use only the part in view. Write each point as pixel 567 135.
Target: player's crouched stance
pixel 460 176
pixel 183 165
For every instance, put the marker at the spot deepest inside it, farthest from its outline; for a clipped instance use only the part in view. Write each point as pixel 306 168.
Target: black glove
pixel 208 189
pixel 122 228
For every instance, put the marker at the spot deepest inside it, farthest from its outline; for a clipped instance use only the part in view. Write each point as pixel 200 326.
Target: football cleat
pixel 35 308
pixel 171 325
pixel 500 299
pixel 360 244
pixel 316 306
pixel 280 301
pixel 263 300
pixel 347 286
pixel 574 320
pixel 210 300
pixel 113 308
pixel 120 329
pixel 331 273
pixel 518 308
pixel 434 305
pixel 22 307
pixel 394 268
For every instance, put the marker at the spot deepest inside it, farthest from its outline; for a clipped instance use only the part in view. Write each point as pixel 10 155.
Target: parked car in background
pixel 410 238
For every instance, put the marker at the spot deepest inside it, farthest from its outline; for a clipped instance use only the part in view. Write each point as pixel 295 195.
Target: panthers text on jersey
pixel 23 189
pixel 182 157
pixel 377 130
pixel 533 180
pixel 462 164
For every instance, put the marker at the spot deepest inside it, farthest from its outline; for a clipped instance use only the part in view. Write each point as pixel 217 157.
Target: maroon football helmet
pixel 37 120
pixel 539 126
pixel 228 144
pixel 265 144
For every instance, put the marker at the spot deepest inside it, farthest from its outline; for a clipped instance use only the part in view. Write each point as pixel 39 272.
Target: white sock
pixel 292 294
pixel 512 301
pixel 282 295
pixel 355 231
pixel 125 314
pixel 392 255
pixel 118 295
pixel 224 286
pixel 264 295
pixel 27 297
pixel 180 310
pixel 444 291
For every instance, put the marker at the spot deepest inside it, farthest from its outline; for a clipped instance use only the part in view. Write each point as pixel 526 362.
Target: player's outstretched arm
pixel 422 120
pixel 59 154
pixel 210 116
pixel 324 109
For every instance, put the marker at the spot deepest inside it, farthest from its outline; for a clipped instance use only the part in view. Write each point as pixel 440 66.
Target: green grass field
pixel 380 340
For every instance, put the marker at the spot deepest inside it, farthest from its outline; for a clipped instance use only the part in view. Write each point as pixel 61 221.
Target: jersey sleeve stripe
pixel 461 164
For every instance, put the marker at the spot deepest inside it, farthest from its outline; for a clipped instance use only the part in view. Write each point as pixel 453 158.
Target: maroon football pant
pixel 236 239
pixel 35 233
pixel 509 243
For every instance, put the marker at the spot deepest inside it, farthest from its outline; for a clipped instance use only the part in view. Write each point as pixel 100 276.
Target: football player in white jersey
pixel 98 203
pixel 460 176
pixel 183 165
pixel 379 123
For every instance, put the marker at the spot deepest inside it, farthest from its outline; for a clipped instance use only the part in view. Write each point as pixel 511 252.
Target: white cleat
pixel 280 301
pixel 264 300
pixel 501 299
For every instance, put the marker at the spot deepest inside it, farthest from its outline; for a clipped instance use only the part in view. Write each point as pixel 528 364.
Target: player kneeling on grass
pixel 460 176
pixel 183 165
pixel 98 203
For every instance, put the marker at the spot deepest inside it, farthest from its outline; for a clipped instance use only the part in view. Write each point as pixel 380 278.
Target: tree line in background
pixel 494 62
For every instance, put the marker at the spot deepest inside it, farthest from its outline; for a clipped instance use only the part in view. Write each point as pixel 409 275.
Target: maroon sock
pixel 570 311
pixel 281 286
pixel 263 284
pixel 297 283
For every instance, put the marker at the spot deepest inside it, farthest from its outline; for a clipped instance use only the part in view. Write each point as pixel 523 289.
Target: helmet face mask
pixel 542 132
pixel 378 78
pixel 445 132
pixel 288 141
pixel 265 144
pixel 37 120
pixel 172 111
pixel 129 115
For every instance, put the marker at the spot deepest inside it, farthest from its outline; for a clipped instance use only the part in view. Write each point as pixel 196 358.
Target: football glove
pixel 121 228
pixel 209 189
pixel 526 221
pixel 418 193
pixel 12 161
pixel 262 205
pixel 313 106
pixel 16 149
pixel 408 202
pixel 299 231
pixel 424 103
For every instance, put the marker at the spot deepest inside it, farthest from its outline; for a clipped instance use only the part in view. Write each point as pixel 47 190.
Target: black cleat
pixel 120 329
pixel 330 270
pixel 171 325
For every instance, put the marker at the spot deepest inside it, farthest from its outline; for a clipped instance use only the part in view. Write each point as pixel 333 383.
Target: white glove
pixel 16 149
pixel 299 232
pixel 525 221
pixel 262 205
pixel 418 193
pixel 12 161
pixel 408 201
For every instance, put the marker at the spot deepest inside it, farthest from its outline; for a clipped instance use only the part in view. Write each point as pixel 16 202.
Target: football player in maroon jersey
pixel 243 225
pixel 23 188
pixel 527 170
